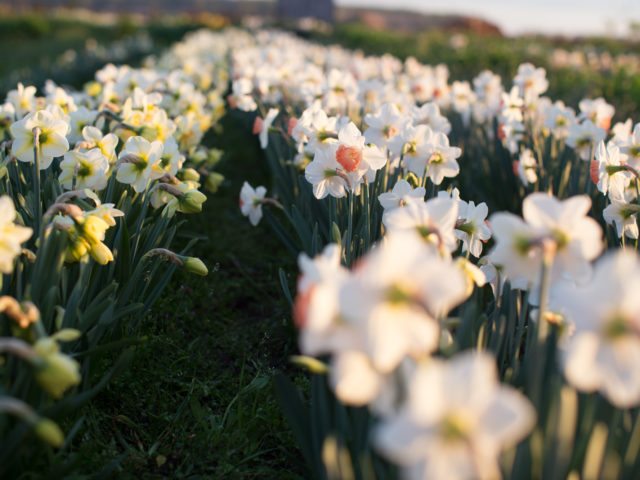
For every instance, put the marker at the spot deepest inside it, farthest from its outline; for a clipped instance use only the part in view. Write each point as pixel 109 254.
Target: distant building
pixel 297 9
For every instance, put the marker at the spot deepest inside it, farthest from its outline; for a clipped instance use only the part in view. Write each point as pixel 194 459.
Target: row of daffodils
pixel 466 299
pixel 92 187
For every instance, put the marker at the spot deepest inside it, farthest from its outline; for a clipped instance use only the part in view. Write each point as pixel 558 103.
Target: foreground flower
pixel 316 307
pixel 604 352
pixel 52 141
pixel 456 421
pixel 11 235
pixel 251 202
pixel 561 229
pixel 395 297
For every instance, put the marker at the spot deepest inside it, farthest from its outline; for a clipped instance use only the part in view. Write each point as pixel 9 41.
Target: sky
pixel 569 17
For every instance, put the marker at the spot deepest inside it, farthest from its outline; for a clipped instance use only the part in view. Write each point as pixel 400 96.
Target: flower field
pixel 463 303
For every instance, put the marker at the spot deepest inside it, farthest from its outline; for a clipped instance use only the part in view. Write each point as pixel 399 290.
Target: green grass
pixel 197 400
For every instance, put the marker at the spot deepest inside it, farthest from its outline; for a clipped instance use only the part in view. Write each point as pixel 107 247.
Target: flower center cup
pixel 349 157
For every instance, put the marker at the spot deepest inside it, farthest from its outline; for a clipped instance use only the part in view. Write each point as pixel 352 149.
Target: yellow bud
pixel 49 432
pixel 195 265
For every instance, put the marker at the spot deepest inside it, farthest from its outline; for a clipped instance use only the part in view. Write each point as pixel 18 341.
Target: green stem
pixel 37 210
pixel 542 327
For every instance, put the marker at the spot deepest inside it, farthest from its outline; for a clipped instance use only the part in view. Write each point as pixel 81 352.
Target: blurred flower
pixel 559 228
pixel 456 421
pixel 56 372
pixel 604 352
pixel 401 195
pixel 11 235
pixel 525 167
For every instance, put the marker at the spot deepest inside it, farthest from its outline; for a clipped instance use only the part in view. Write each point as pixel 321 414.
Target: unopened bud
pixel 195 265
pixel 191 201
pixel 213 182
pixel 48 431
pixel 189 175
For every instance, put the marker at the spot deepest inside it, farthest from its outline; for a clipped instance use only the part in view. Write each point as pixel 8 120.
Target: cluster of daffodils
pixel 89 178
pixel 414 279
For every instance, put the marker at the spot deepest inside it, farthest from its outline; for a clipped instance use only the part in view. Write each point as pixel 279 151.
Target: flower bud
pixel 195 265
pixel 57 372
pixel 213 182
pixel 189 175
pixel 214 156
pixel 48 431
pixel 191 201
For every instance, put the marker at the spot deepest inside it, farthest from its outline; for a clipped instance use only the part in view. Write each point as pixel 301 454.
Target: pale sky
pixel 571 17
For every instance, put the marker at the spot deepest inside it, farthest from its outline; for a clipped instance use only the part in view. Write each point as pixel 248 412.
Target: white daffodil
pixel 472 229
pixel 631 147
pixel 598 111
pixel 434 220
pixel 411 144
pixel 52 141
pixel 563 226
pixel 622 211
pixel 139 163
pixel 324 173
pixel 395 296
pixel 383 126
pixel 357 159
pixel 583 138
pixel 462 98
pixel 558 118
pixel 171 160
pixel 316 309
pixel 525 167
pixel 251 202
pixel 11 235
pixel 429 115
pixel 78 120
pixel 401 194
pixel 604 352
pixel 261 126
pixel 605 169
pixel 442 159
pixel 84 169
pixel 23 99
pixel 531 81
pixel 105 143
pixel 455 422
